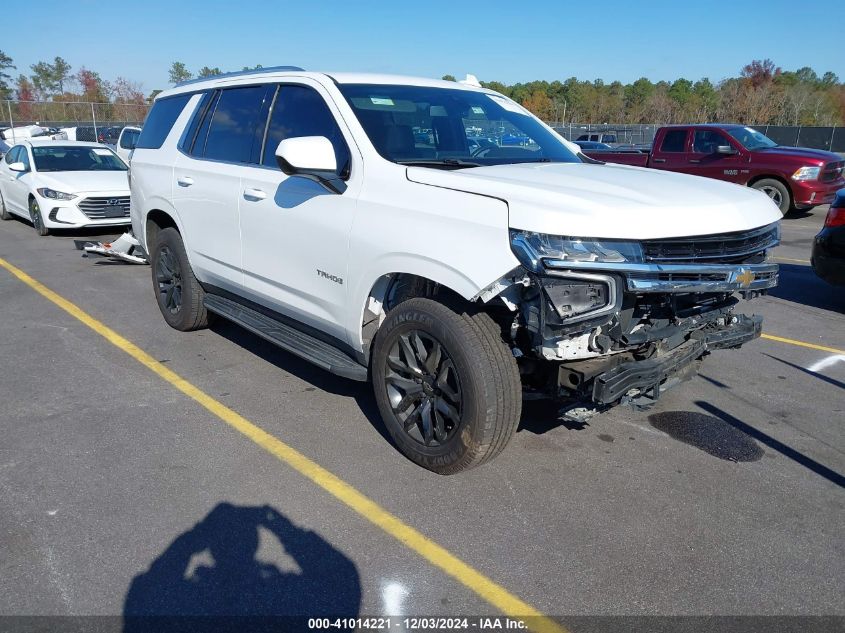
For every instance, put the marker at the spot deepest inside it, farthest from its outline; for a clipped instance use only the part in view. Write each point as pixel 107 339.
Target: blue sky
pixel 507 41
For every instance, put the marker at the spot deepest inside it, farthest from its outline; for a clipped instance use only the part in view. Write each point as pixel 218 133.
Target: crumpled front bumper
pixel 650 376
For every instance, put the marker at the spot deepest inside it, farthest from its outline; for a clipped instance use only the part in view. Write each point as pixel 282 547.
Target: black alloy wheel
pixel 35 217
pixel 423 388
pixel 169 278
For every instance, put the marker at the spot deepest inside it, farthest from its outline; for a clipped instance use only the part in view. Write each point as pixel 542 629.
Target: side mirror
pixel 18 166
pixel 725 149
pixel 311 157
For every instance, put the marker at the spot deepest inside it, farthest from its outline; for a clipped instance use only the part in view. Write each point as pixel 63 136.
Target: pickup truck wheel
pixel 777 191
pixel 37 220
pixel 178 292
pixel 447 386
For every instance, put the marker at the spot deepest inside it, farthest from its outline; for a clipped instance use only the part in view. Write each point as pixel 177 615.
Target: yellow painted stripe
pixel 790 341
pixel 492 592
pixel 789 259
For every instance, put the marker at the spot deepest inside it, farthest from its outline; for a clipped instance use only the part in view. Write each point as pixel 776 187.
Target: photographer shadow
pixel 217 577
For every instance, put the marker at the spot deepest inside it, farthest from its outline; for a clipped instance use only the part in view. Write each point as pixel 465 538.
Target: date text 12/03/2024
pixel 418 623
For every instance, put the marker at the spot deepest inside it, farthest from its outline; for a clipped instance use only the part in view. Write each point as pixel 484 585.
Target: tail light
pixel 835 217
pixel 836 214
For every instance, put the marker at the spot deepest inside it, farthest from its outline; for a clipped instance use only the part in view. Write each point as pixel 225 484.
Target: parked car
pixel 298 205
pixel 593 145
pixel 598 137
pixel 64 185
pixel 793 177
pixel 20 133
pixel 126 142
pixel 479 143
pixel 510 138
pixel 109 135
pixel 828 259
pixel 82 133
pixel 4 147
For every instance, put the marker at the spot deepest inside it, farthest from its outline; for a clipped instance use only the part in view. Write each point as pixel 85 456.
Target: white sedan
pixel 64 185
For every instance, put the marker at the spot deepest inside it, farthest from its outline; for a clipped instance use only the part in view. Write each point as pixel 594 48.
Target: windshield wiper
pixel 439 162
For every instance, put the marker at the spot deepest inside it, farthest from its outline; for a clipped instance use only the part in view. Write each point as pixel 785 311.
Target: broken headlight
pixel 581 295
pixel 532 248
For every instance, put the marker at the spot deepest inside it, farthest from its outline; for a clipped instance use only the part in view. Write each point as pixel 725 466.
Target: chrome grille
pixel 95 208
pixel 724 248
pixel 833 171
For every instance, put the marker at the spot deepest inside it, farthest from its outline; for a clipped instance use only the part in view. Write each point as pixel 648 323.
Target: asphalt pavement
pixel 120 494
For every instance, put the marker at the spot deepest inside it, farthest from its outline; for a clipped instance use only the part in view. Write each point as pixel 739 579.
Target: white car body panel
pixel 632 202
pixel 25 132
pixel 451 227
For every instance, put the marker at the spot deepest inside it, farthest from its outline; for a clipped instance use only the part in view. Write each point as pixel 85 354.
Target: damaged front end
pixel 602 321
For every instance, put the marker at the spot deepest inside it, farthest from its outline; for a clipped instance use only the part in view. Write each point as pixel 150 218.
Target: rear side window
pixel 233 126
pixel 200 116
pixel 674 141
pixel 160 121
pixel 301 111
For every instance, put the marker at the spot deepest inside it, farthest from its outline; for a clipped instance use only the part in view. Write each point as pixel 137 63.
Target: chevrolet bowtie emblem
pixel 745 277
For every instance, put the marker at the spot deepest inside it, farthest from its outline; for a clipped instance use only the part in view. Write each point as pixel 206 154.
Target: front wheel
pixel 777 191
pixel 446 385
pixel 36 218
pixel 4 213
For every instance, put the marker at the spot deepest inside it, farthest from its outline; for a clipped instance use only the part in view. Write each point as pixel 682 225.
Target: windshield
pixel 66 158
pixel 751 139
pixel 451 128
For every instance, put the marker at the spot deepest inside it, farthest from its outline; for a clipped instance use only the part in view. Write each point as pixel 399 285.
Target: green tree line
pixel 762 93
pixel 63 93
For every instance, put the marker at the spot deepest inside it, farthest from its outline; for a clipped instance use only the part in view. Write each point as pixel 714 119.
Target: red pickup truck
pixel 793 177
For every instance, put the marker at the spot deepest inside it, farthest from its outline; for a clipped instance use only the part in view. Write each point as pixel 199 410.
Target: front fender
pixel 458 240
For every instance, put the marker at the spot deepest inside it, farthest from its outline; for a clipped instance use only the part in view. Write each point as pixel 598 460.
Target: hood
pixel 801 153
pixel 609 201
pixel 86 181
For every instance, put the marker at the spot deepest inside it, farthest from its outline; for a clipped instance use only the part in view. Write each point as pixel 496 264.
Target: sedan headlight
pixel 807 173
pixel 46 192
pixel 531 248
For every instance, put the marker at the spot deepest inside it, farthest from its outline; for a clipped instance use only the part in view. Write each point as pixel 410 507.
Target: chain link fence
pixel 71 114
pixel 65 114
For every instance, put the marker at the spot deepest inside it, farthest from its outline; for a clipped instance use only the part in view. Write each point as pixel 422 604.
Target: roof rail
pixel 239 73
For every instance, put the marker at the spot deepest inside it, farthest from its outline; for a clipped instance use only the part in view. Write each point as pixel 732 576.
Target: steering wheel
pixel 480 152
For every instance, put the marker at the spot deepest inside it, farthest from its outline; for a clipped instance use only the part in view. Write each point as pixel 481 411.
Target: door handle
pixel 254 194
pixel 184 181
pixel 694 160
pixel 658 160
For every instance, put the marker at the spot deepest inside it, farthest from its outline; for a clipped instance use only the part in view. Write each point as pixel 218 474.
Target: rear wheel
pixel 178 292
pixel 447 386
pixel 777 191
pixel 36 218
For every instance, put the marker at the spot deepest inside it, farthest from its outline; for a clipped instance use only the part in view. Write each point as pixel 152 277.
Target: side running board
pixel 322 354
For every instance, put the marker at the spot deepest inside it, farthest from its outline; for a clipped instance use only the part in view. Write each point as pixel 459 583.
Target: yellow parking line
pixel 788 259
pixel 790 341
pixel 492 592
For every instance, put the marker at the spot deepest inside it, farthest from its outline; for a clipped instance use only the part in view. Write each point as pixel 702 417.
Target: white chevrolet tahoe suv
pixel 347 219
